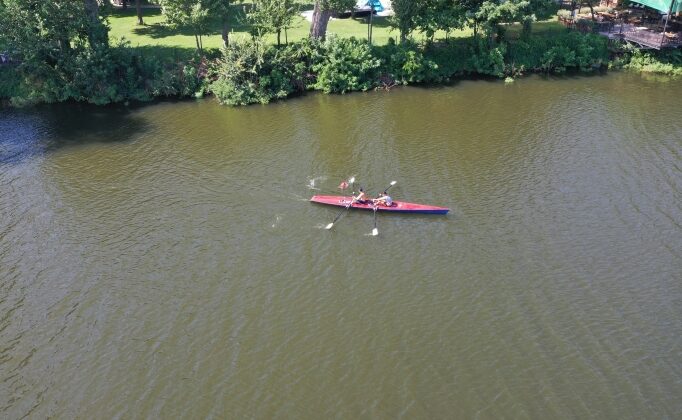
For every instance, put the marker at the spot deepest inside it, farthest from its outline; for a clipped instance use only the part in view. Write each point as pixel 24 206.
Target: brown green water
pixel 164 262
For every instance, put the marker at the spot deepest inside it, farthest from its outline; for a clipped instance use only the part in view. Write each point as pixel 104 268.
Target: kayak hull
pixel 397 207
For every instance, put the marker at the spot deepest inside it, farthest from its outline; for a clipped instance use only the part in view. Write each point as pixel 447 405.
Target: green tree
pixel 222 9
pixel 427 16
pixel 538 9
pixel 471 8
pixel 98 32
pixel 493 13
pixel 273 16
pixel 439 15
pixel 192 14
pixel 322 11
pixel 404 17
pixel 45 31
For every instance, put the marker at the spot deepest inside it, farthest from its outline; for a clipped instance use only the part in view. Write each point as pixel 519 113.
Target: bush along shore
pixel 250 71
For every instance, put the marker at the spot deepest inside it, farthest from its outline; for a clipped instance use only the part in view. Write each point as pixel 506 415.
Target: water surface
pixel 163 261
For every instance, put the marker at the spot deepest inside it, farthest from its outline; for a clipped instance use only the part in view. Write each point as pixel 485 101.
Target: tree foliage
pixel 193 14
pixel 46 29
pixel 62 52
pixel 405 14
pixel 439 15
pixel 273 16
pixel 252 72
pixel 347 64
pixel 493 13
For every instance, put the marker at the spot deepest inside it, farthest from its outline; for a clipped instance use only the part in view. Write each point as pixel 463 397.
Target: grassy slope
pixel 156 36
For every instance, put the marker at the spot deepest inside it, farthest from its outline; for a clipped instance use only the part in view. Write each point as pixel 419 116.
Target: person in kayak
pixel 361 197
pixel 383 200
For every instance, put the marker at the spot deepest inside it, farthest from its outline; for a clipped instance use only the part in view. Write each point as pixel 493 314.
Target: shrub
pixel 10 82
pixel 252 72
pixel 560 52
pixel 488 61
pixel 667 62
pixel 451 58
pixel 101 76
pixel 407 63
pixel 347 65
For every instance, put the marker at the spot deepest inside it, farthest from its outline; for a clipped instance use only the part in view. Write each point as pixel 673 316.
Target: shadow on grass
pixel 304 7
pixel 377 21
pixel 130 12
pixel 237 23
pixel 168 53
pixel 157 31
pixel 544 28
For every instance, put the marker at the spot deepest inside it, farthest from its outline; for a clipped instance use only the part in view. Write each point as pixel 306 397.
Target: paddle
pixel 389 187
pixel 375 231
pixel 329 226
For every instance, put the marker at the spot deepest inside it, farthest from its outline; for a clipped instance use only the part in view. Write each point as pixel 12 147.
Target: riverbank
pixel 253 71
pixel 108 57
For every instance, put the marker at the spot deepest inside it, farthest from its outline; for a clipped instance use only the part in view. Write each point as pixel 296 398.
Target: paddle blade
pixel 351 180
pixel 375 232
pixel 329 226
pixel 390 185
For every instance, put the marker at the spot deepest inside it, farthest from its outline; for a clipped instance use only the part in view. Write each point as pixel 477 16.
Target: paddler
pixel 383 199
pixel 361 197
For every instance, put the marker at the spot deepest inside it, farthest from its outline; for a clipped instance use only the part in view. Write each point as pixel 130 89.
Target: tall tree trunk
pixel 279 32
pixel 371 17
pixel 138 6
pixel 320 21
pixel 225 32
pixel 97 32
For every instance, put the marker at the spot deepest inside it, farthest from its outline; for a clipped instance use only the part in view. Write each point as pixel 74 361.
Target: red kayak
pixel 397 207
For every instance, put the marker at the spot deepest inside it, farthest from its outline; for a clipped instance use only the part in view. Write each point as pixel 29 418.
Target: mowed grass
pixel 157 36
pixel 123 25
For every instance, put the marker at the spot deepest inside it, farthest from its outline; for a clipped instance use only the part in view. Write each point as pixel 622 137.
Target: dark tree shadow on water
pixel 38 131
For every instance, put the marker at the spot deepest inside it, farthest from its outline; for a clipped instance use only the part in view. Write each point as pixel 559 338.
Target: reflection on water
pixel 163 261
pixel 32 133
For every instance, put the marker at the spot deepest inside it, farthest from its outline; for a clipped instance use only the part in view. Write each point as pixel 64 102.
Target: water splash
pixel 315 180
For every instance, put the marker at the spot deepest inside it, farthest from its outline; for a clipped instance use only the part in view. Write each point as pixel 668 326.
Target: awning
pixel 662 5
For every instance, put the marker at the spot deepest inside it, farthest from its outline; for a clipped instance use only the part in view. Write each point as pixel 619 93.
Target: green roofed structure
pixel 664 34
pixel 664 6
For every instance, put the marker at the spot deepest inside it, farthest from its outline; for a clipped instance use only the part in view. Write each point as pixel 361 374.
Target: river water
pixel 164 261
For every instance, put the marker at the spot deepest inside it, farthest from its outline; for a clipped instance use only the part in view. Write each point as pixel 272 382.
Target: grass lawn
pixel 154 33
pixel 180 42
